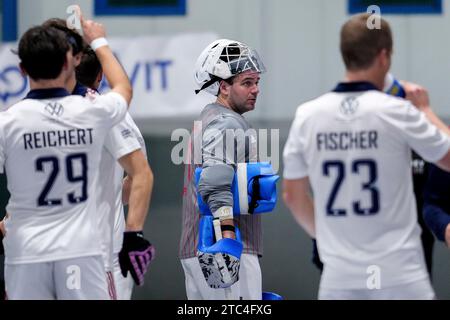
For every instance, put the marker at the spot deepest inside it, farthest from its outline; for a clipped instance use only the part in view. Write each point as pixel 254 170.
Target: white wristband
pixel 224 213
pixel 98 43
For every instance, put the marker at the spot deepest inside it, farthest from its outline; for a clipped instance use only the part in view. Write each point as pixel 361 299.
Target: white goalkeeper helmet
pixel 224 59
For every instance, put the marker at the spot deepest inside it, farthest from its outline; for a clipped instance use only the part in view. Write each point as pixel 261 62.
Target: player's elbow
pixel 125 90
pixel 128 92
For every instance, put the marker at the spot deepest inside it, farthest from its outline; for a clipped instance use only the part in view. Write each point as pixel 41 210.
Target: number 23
pixel 369 186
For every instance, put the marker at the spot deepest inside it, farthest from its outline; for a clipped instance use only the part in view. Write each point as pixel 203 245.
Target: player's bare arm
pixel 419 97
pixel 447 235
pixel 297 196
pixel 2 224
pixel 126 188
pixel 112 69
pixel 141 177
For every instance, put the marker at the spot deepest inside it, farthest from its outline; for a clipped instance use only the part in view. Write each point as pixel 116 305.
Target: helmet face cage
pixel 241 58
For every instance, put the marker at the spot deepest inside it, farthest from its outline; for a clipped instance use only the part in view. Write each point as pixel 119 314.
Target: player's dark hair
pixel 89 68
pixel 42 52
pixel 360 45
pixel 74 38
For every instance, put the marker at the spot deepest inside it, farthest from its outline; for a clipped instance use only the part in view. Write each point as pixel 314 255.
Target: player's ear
pixel 66 61
pixel 98 80
pixel 77 59
pixel 224 87
pixel 384 57
pixel 100 77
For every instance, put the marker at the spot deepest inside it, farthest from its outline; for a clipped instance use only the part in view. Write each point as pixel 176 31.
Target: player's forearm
pixel 126 186
pixel 139 201
pixel 299 201
pixel 94 34
pixel 114 73
pixel 303 212
pixel 215 189
pixel 436 120
pixel 2 228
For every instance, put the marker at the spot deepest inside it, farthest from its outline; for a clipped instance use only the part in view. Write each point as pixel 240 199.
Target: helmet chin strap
pixel 213 80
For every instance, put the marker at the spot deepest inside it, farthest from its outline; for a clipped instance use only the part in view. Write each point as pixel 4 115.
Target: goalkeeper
pixel 220 252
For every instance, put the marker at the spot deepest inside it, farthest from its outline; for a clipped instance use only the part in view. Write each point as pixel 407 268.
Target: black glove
pixel 315 256
pixel 135 256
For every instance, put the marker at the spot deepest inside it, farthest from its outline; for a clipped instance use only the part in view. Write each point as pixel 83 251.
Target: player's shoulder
pixel 382 99
pixel 127 125
pixel 385 105
pixel 106 98
pixel 19 110
pixel 314 106
pixel 222 118
pixel 229 121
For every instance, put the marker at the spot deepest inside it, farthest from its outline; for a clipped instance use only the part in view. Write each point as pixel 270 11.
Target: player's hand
pixel 135 256
pixel 417 94
pixel 92 30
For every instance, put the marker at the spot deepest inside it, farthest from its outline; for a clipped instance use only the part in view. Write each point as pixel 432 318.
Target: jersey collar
pixel 80 90
pixel 356 86
pixel 39 94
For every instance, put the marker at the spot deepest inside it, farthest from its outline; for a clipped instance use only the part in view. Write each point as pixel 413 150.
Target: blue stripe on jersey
pixel 51 93
pixel 356 86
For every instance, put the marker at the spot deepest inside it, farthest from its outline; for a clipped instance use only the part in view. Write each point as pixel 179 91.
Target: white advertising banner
pixel 161 69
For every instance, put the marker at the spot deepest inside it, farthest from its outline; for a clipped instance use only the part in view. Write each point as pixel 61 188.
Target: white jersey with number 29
pixel 50 147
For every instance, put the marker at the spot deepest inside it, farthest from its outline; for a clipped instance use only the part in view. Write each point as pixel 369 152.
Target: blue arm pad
pixel 436 219
pixel 271 296
pixel 208 244
pixel 260 184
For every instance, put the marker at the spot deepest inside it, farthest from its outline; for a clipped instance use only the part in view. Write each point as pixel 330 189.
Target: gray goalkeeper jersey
pixel 218 143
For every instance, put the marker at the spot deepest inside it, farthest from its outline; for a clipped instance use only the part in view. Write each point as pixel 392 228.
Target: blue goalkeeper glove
pixel 135 256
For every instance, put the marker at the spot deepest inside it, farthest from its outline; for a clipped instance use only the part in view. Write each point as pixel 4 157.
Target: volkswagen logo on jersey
pixel 55 109
pixel 349 106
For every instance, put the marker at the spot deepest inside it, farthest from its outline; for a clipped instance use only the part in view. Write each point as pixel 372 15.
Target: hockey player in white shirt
pixel 50 147
pixel 352 147
pixel 124 149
